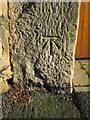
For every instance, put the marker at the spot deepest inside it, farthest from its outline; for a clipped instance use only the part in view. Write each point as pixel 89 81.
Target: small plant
pixel 82 66
pixel 4 68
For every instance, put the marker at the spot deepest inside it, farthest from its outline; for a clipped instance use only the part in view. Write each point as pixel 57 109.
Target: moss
pixel 4 68
pixel 48 109
pixel 45 105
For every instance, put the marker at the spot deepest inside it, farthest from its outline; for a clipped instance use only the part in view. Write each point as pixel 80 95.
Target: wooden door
pixel 82 47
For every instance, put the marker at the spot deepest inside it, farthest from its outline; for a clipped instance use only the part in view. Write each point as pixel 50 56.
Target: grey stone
pixel 42 44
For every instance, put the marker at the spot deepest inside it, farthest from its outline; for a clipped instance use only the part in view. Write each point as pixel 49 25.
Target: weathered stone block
pixel 42 44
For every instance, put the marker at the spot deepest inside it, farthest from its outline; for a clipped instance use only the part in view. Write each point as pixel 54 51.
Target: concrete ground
pixel 46 105
pixel 81 79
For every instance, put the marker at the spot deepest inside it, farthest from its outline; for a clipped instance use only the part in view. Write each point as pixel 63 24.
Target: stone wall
pixel 5 68
pixel 42 44
pixel 4 51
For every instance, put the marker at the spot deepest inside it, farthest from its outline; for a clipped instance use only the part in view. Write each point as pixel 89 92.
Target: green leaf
pixel 85 64
pixel 4 68
pixel 82 65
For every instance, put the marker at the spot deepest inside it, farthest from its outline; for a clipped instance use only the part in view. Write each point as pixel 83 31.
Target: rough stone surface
pixel 42 44
pixel 4 49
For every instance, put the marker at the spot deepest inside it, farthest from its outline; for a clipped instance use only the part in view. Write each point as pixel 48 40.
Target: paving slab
pixel 82 89
pixel 86 61
pixel 80 76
